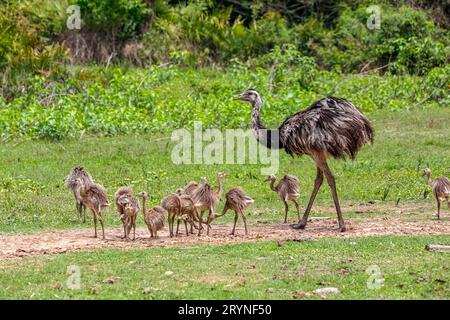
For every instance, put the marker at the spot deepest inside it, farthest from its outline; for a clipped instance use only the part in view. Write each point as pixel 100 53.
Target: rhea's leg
pixel 286 209
pixel 100 218
pixel 200 223
pixel 172 218
pixel 317 183
pixel 235 221
pixel 84 213
pixel 210 218
pixel 95 223
pixel 245 221
pixel 332 184
pixel 178 226
pixel 298 208
pixel 150 231
pixel 169 220
pixel 438 207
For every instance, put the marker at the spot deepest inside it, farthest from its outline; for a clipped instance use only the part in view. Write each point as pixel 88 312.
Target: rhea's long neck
pixel 268 138
pixel 224 210
pixel 219 180
pixel 428 180
pixel 272 185
pixel 144 205
pixel 80 190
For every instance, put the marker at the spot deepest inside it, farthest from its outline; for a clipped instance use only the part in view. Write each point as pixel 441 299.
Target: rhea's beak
pixel 267 179
pixel 239 97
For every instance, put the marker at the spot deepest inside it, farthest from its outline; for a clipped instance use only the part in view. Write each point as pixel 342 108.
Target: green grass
pixel 239 271
pixel 33 195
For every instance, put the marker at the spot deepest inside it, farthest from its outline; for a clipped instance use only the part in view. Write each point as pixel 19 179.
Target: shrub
pixel 408 42
pixel 125 18
pixel 24 52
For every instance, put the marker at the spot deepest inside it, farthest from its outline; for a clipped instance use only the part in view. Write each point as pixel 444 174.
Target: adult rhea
pixel 330 127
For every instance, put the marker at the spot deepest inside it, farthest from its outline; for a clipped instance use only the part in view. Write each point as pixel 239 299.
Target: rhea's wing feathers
pixel 159 209
pixel 186 201
pixel 155 217
pixel 441 186
pixel 98 192
pixel 237 199
pixel 171 203
pixel 331 124
pixel 289 184
pixel 190 187
pixel 134 204
pixel 123 191
pixel 86 176
pixel 122 197
pixel 202 195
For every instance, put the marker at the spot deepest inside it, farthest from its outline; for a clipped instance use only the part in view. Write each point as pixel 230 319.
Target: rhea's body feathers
pixel 330 125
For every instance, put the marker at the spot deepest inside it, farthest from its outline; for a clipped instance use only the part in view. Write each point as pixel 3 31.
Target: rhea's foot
pixel 298 226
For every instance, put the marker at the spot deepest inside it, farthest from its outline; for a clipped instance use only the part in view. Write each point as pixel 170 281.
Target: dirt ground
pixel 44 243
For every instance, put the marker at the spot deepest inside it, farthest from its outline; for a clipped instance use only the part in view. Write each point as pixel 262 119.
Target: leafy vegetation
pixel 24 46
pixel 291 61
pixel 117 101
pixel 124 18
pixel 406 43
pixel 35 39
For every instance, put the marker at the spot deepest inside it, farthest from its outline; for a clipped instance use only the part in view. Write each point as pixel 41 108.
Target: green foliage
pixel 119 101
pixel 207 34
pixel 438 82
pixel 419 55
pixel 125 18
pixel 291 64
pixel 289 67
pixel 407 42
pixel 24 51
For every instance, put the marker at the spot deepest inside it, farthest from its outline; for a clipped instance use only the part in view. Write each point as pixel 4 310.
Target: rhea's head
pixel 251 95
pixel 143 194
pixel 270 178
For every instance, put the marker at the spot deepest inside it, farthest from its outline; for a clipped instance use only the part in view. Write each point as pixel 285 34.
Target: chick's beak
pixel 239 97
